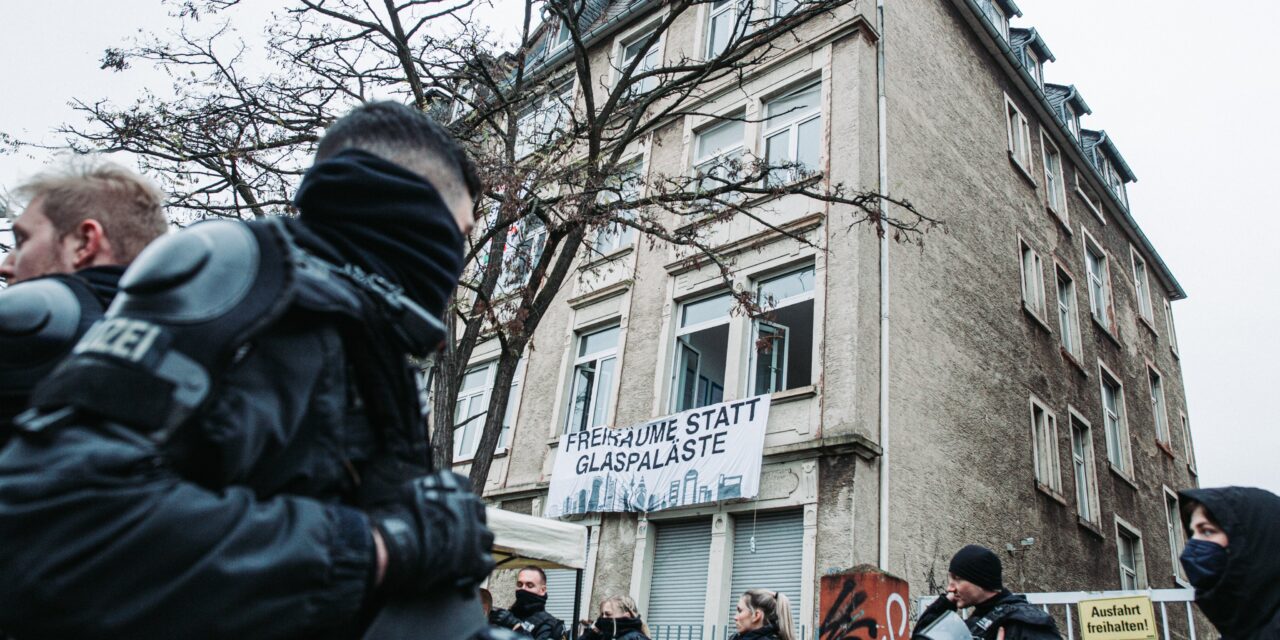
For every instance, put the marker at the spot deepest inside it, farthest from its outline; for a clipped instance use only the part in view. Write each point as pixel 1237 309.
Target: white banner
pixel 701 455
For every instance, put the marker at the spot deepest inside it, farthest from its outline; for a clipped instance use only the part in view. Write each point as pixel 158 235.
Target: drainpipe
pixel 881 110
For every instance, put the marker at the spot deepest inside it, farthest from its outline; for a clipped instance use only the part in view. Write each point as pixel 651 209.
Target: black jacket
pixel 249 524
pixel 1009 611
pixel 767 632
pixel 537 624
pixel 1245 602
pixel 617 629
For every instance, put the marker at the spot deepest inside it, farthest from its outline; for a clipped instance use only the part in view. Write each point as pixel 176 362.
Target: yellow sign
pixel 1129 618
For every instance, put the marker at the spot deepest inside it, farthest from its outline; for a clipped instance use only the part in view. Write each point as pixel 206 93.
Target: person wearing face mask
pixel 762 614
pixel 528 616
pixel 619 620
pixel 1232 558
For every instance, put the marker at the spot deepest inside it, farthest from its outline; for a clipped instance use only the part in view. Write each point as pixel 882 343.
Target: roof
pixel 1010 8
pixel 1021 39
pixel 1059 95
pixel 1098 142
pixel 591 16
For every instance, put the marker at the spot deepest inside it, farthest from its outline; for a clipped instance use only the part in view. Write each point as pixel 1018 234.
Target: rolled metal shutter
pixel 678 588
pixel 776 563
pixel 561 584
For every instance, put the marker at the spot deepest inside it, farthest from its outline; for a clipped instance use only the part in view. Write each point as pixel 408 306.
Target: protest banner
pixel 1129 618
pixel 701 455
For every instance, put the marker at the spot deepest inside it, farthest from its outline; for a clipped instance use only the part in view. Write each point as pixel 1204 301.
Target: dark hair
pixel 538 570
pixel 404 136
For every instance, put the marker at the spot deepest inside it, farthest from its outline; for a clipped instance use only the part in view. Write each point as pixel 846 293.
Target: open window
pixel 782 353
pixel 594 374
pixel 702 347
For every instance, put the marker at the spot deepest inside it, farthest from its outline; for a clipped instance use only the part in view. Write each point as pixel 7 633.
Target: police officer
pixel 236 449
pixel 976 579
pixel 82 225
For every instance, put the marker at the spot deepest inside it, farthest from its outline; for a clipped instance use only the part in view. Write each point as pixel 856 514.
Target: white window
pixel 1177 537
pixel 1158 408
pixel 782 353
pixel 526 240
pixel 1068 323
pixel 1073 121
pixel 562 37
pixel 1083 470
pixel 1095 260
pixel 1141 285
pixel 1133 568
pixel 462 101
pixel 1035 66
pixel 793 133
pixel 625 185
pixel 995 14
pixel 783 7
pixel 716 148
pixel 1113 179
pixel 1044 446
pixel 1186 441
pixel 1114 422
pixel 1168 323
pixel 1032 280
pixel 727 22
pixel 546 119
pixel 591 397
pixel 469 413
pixel 1090 200
pixel 649 57
pixel 1019 136
pixel 1054 186
pixel 702 347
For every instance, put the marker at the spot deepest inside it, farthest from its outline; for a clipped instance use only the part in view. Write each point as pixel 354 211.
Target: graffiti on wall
pixel 863 604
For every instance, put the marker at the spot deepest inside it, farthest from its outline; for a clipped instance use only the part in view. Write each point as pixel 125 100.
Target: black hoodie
pixel 1244 604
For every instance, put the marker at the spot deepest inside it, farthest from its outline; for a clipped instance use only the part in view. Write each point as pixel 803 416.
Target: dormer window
pixel 562 36
pixel 1035 66
pixel 995 14
pixel 1073 121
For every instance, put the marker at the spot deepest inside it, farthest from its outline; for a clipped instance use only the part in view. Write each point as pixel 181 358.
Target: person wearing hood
pixel 237 449
pixel 529 616
pixel 619 620
pixel 1231 559
pixel 762 614
pixel 977 580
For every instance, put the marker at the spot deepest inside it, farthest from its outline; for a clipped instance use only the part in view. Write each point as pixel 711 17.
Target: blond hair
pixel 776 608
pixel 626 605
pixel 129 206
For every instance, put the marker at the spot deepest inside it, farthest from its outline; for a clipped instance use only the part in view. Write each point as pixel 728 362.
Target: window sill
pixel 1069 357
pixel 792 395
pixel 1096 213
pixel 1036 316
pixel 1060 218
pixel 1048 491
pixel 500 453
pixel 1106 331
pixel 1192 470
pixel 1146 322
pixel 1091 527
pixel 600 259
pixel 1122 475
pixel 1176 355
pixel 1166 448
pixel 1023 171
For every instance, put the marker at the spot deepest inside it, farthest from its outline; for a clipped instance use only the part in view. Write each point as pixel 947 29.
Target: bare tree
pixel 549 120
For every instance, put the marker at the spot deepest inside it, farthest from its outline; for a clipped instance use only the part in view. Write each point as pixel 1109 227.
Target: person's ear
pixel 89 243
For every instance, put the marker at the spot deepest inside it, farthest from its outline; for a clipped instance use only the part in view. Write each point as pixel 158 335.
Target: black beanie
pixel 978 565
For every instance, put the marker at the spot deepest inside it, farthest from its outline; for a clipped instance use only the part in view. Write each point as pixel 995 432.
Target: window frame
pixel 1088 467
pixel 1159 406
pixel 1186 442
pixel 754 352
pixel 621 235
pixel 484 392
pixel 561 38
pixel 1069 335
pixel 1118 443
pixel 1055 187
pixel 994 14
pixel 558 101
pixel 1033 301
pixel 1169 326
pixel 1139 556
pixel 790 123
pixel 1017 135
pixel 733 7
pixel 1103 311
pixel 613 353
pixel 1177 537
pixel 1094 204
pixel 734 118
pixel 1044 447
pixel 727 319
pixel 1037 66
pixel 1142 287
pixel 635 36
pixel 1073 120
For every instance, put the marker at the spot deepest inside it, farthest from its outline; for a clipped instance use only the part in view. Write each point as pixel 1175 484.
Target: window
pixel 591 397
pixel 1073 121
pixel 702 347
pixel 1035 66
pixel 996 16
pixel 714 149
pixel 782 355
pixel 793 133
pixel 1090 200
pixel 1032 280
pixel 727 22
pixel 1083 470
pixel 473 403
pixel 1044 447
pixel 681 563
pixel 1186 441
pixel 1158 409
pixel 1099 283
pixel 547 118
pixel 649 59
pixel 1114 423
pixel 562 37
pixel 1055 188
pixel 526 239
pixel 1132 565
pixel 1068 326
pixel 1177 537
pixel 1019 136
pixel 783 7
pixel 1141 286
pixel 1168 324
pixel 617 234
pixel 1113 179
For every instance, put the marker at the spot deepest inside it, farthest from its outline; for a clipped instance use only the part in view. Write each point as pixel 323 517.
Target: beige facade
pixel 990 410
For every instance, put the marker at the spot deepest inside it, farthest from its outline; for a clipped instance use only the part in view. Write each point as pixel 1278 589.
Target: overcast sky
pixel 1186 89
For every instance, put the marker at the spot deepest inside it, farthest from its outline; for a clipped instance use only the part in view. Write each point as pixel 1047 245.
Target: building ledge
pixel 832 446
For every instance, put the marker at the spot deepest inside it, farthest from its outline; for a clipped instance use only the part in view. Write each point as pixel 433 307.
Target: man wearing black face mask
pixel 528 616
pixel 1231 559
pixel 236 450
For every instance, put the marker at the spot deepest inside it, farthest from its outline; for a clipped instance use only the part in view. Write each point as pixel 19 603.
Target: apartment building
pixel 1029 385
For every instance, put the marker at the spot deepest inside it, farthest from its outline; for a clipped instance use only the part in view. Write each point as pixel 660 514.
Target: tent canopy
pixel 520 540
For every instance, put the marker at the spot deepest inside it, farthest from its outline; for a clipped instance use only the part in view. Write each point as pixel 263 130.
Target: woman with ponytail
pixel 763 615
pixel 619 620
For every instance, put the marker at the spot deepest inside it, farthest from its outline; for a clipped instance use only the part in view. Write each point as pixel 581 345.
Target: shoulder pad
pixel 40 320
